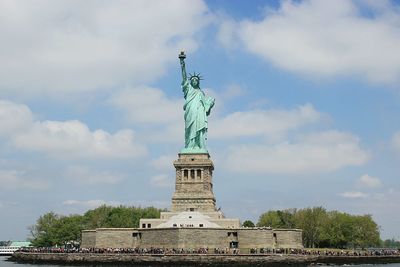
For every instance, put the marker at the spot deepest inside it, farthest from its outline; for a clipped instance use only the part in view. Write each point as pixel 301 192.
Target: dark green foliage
pixel 97 218
pixel 278 218
pixel 270 219
pixel 312 221
pixel 44 232
pixel 391 243
pixel 365 232
pixel 248 223
pixel 69 228
pixel 322 228
pixel 52 229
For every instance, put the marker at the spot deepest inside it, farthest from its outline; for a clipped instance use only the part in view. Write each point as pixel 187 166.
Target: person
pixel 196 109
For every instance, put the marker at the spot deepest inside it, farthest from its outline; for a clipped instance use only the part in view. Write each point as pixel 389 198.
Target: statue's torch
pixel 182 55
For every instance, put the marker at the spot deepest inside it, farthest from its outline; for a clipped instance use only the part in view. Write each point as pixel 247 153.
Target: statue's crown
pixel 195 76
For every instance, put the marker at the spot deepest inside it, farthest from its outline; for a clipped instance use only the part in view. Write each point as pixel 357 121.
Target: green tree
pixel 248 223
pixel 270 219
pixel 121 217
pixel 52 229
pixel 336 232
pixel 287 218
pixel 278 219
pixel 391 243
pixel 311 221
pixel 106 216
pixel 97 218
pixel 147 213
pixel 365 232
pixel 44 231
pixel 69 228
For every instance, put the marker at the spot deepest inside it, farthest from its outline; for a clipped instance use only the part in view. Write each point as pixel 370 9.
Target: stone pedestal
pixel 193 184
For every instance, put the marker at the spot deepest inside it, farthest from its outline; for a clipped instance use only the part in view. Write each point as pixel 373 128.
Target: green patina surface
pixel 197 108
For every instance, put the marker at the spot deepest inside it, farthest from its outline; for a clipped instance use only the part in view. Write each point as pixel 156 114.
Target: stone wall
pixel 159 238
pixel 192 238
pixel 255 238
pixel 203 238
pixel 115 238
pixel 88 238
pixel 288 238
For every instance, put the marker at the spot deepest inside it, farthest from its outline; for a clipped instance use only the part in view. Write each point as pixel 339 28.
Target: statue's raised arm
pixel 197 108
pixel 182 57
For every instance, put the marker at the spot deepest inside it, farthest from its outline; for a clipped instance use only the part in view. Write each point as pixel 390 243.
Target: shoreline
pixel 197 259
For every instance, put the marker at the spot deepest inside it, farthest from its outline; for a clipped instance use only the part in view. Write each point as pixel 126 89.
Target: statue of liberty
pixel 196 109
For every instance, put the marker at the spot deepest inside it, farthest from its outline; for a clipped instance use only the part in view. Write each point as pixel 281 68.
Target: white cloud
pixel 232 91
pixel 163 162
pixel 16 179
pixel 94 203
pixel 161 180
pixel 227 33
pixel 13 117
pixel 65 139
pixel 163 116
pixel 172 133
pixel 84 175
pixel 75 139
pixel 354 194
pixel 270 123
pixel 50 46
pixel 149 106
pixel 369 181
pixel 312 153
pixel 327 38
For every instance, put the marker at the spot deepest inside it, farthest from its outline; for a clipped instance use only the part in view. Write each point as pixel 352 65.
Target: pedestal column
pixel 193 193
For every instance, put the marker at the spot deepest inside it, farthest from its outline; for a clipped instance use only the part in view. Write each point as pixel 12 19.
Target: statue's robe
pixel 196 109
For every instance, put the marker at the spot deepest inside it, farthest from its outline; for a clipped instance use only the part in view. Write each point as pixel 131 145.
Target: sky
pixel 306 114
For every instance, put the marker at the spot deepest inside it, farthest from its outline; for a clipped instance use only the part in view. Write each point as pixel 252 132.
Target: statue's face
pixel 194 82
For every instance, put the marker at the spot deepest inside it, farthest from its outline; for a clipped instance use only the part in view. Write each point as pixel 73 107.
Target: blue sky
pixel 307 105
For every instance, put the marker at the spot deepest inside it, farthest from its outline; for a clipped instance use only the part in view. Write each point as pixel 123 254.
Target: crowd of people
pixel 153 251
pixel 327 252
pixel 234 251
